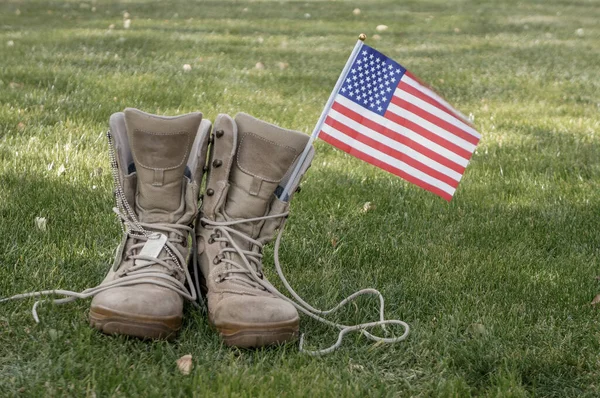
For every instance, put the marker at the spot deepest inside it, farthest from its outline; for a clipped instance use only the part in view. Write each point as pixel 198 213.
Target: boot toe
pixel 144 310
pixel 255 321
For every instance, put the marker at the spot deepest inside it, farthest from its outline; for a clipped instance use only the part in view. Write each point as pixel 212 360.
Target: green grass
pixel 515 251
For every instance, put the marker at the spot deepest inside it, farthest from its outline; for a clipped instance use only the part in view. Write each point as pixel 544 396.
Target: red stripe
pixel 398 137
pixel 342 128
pixel 369 159
pixel 433 102
pixel 414 109
pixel 407 73
pixel 428 134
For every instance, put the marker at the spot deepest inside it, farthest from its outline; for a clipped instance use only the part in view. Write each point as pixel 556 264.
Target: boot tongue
pixel 160 147
pixel 264 155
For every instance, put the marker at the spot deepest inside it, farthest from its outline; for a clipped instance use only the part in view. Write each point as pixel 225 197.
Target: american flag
pixel 385 116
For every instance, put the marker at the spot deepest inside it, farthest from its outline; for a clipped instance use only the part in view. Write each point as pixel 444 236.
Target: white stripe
pixel 387 159
pixel 429 126
pixel 394 145
pixel 434 110
pixel 401 130
pixel 429 92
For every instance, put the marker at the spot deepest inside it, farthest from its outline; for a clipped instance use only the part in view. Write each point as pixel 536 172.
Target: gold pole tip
pixel 362 37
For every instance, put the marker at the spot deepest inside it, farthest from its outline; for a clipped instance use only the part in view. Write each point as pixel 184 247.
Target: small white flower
pixel 111 26
pixel 126 15
pixel 307 15
pixel 50 166
pixel 61 170
pixel 580 32
pixel 127 23
pixel 381 28
pixel 10 43
pixel 259 66
pixel 187 67
pixel 40 223
pixel 356 11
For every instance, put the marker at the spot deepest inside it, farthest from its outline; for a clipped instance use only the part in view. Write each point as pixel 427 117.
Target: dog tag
pixel 152 248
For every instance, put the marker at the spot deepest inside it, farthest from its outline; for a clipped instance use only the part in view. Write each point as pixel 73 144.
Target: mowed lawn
pixel 496 285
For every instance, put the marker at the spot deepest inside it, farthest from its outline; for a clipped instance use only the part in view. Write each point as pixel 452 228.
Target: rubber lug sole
pixel 248 336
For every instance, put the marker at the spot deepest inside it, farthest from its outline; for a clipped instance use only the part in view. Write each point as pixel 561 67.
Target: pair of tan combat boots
pixel 159 164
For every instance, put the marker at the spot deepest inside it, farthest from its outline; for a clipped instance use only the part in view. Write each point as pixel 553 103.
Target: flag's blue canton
pixel 371 80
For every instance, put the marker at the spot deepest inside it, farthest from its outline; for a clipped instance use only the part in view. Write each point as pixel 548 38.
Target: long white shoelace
pixel 138 274
pixel 254 272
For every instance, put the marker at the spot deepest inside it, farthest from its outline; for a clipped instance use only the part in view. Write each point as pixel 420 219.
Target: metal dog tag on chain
pixel 152 248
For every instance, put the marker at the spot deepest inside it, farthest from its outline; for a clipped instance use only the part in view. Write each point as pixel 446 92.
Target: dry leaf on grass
pixel 184 364
pixel 596 300
pixel 40 223
pixel 368 206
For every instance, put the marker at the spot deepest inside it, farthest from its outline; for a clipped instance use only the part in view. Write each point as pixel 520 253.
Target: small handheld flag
pixel 379 112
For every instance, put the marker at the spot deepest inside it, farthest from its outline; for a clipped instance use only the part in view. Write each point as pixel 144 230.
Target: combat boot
pixel 158 167
pixel 250 162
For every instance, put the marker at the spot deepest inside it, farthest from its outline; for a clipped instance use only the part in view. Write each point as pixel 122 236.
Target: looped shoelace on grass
pixel 252 269
pixel 136 274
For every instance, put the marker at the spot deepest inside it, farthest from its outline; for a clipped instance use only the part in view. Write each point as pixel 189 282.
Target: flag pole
pixel 285 193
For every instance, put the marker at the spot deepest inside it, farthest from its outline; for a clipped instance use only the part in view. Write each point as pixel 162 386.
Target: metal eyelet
pixel 210 192
pixel 219 133
pixel 216 260
pixel 217 163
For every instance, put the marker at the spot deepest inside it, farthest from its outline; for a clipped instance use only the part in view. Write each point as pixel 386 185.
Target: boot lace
pixel 143 272
pixel 250 272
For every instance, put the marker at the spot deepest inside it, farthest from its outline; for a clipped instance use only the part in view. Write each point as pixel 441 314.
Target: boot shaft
pixel 160 163
pixel 250 161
